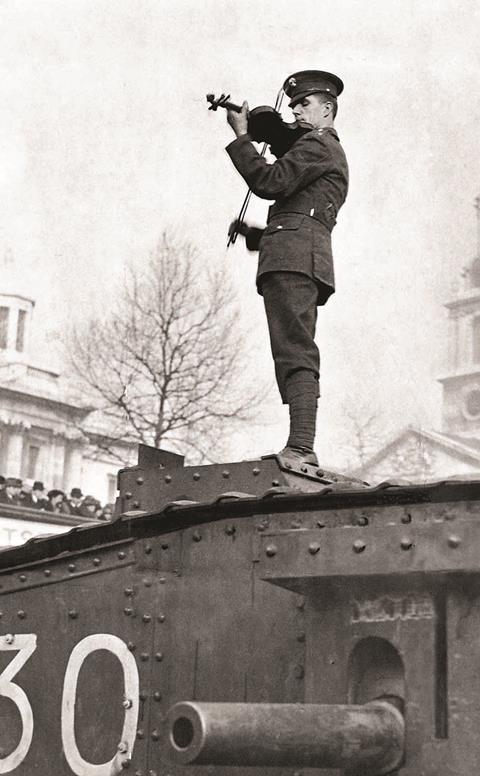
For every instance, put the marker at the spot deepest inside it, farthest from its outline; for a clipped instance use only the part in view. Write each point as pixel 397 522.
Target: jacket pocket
pixel 287 223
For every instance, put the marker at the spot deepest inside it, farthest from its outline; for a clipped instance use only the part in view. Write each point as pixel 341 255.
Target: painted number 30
pixel 25 644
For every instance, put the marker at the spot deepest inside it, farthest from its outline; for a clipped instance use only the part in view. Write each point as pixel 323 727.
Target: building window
pixel 33 454
pixel 476 340
pixel 475 274
pixel 472 404
pixel 22 315
pixel 3 327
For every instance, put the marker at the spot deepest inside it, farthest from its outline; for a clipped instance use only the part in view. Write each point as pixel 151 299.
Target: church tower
pixel 461 385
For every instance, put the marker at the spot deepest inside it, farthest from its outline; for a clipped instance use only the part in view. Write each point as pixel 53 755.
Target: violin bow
pixel 243 210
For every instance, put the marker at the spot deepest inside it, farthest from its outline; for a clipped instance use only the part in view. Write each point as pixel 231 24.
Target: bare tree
pixel 366 433
pixel 167 365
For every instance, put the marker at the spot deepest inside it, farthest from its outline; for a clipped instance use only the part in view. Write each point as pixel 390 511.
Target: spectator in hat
pixel 2 482
pixel 75 501
pixel 56 502
pixel 107 512
pixel 11 493
pixel 38 499
pixel 89 506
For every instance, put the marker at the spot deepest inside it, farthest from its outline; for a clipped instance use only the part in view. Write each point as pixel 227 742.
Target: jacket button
pixel 280 227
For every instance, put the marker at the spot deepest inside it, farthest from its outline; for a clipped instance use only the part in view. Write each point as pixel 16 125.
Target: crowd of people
pixel 33 495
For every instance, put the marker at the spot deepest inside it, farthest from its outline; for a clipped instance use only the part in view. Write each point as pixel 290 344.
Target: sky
pixel 105 141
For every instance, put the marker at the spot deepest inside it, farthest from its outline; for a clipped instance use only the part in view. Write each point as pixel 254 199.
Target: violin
pixel 265 125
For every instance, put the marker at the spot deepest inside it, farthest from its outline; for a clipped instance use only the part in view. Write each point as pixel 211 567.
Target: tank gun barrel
pixel 367 736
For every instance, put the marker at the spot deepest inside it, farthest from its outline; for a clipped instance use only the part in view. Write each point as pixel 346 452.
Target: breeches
pixel 290 300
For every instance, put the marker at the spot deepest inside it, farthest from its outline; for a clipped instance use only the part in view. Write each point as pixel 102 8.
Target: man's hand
pixel 238 226
pixel 239 121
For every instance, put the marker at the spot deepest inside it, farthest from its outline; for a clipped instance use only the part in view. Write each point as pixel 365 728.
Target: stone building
pixel 417 454
pixel 48 431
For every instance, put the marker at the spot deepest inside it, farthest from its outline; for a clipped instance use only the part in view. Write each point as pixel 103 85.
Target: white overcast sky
pixel 105 140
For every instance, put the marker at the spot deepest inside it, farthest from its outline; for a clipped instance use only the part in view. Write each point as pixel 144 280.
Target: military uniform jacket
pixel 309 185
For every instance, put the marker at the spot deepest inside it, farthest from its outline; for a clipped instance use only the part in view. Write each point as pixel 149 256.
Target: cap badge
pixel 292 81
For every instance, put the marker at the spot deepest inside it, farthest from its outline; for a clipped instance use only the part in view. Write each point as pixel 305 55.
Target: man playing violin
pixel 295 270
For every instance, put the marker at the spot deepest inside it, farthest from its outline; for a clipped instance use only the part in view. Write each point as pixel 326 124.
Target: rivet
pixel 275 483
pixel 226 474
pixel 301 637
pixel 358 546
pixel 122 555
pixel 162 580
pixel 161 618
pixel 144 656
pixel 165 546
pixel 128 494
pixel 96 561
pixel 454 541
pixel 406 544
pixel 296 524
pixel 135 504
pixel 131 646
pixel 261 527
pixel 230 530
pixel 361 520
pixel 140 734
pixel 406 518
pixel 313 548
pixel 9 638
pixel 152 773
pixel 270 550
pixel 320 473
pixel 23 578
pixel 147 618
pixel 297 773
pixel 139 480
pixel 168 478
pixel 1 615
pixel 127 703
pixel 299 672
pixel 159 657
pixel 154 735
pixel 196 476
pixel 128 591
pixel 143 695
pixel 148 549
pixel 47 572
pixel 301 604
pixel 157 696
pixel 128 611
pixel 21 614
pixel 138 773
pixel 196 536
pixel 147 582
pixel 71 567
pixel 321 524
pixel 304 470
pixel 288 465
pixel 255 471
pixel 73 614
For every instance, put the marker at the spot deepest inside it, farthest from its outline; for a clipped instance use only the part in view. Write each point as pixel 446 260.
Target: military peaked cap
pixel 299 85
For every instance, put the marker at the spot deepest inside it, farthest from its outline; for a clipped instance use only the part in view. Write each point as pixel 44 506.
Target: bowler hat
pixel 37 485
pixel 76 493
pixel 299 85
pixel 13 482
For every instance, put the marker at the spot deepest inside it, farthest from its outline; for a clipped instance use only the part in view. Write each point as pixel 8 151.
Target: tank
pixel 244 619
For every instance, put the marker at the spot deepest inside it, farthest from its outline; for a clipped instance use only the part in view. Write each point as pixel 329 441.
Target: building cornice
pixel 45 400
